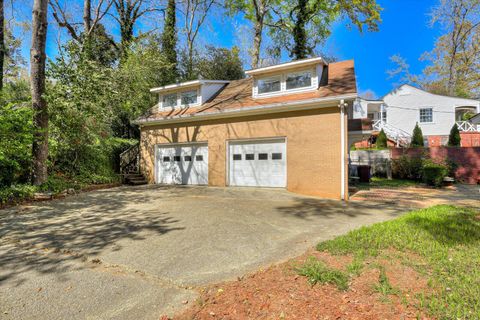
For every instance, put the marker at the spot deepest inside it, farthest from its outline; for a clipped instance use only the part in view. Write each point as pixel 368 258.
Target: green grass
pixel 317 272
pixel 384 287
pixel 377 182
pixel 447 238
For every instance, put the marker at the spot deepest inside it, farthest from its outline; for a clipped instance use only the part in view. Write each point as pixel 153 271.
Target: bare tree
pixel 128 13
pixel 456 56
pixel 63 18
pixel 37 79
pixel 195 12
pixel 259 13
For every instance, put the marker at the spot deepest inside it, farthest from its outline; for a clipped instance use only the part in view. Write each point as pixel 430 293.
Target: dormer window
pixel 189 97
pixel 187 94
pixel 267 85
pixel 287 78
pixel 296 80
pixel 170 100
pixel 180 99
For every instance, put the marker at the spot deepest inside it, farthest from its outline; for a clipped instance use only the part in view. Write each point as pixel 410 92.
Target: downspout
pixel 342 153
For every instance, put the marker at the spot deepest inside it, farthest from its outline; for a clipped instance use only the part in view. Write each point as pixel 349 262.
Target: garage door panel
pixel 257 163
pixel 182 164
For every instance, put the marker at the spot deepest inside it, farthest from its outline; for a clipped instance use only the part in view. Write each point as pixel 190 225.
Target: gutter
pixel 254 110
pixel 342 106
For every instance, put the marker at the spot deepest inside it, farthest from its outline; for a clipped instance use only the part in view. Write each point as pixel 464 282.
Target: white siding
pixel 359 109
pixel 403 110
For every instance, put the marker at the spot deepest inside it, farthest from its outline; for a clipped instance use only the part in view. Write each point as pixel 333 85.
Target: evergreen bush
pixel 454 137
pixel 382 140
pixel 417 137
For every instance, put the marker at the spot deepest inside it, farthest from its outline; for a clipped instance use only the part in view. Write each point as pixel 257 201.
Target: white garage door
pixel 182 164
pixel 258 163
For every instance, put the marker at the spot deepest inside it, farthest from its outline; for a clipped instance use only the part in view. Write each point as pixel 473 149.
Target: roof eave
pixel 183 85
pixel 254 110
pixel 285 66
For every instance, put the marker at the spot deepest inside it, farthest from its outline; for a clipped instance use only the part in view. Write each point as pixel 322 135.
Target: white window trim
pixel 419 118
pixel 268 78
pixel 179 100
pixel 283 84
pixel 312 75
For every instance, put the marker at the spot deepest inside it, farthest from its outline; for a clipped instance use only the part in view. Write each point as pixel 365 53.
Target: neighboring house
pixel 475 119
pixel 399 111
pixel 283 126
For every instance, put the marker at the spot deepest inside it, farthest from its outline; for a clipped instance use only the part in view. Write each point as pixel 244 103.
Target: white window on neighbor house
pixel 267 85
pixel 189 97
pixel 298 80
pixel 170 100
pixel 426 115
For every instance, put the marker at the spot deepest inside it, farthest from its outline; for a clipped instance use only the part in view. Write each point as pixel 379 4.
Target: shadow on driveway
pixel 62 231
pixel 312 208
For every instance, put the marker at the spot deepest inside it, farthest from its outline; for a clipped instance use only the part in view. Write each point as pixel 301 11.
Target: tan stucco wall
pixel 313 146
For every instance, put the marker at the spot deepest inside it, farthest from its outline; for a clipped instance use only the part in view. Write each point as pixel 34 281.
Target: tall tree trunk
pixel 2 42
pixel 257 42
pixel 87 15
pixel 300 49
pixel 37 80
pixel 169 40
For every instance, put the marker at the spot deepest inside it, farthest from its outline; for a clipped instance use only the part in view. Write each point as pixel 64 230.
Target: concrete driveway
pixel 140 252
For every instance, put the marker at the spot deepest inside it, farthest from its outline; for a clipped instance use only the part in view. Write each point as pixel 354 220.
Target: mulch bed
pixel 280 293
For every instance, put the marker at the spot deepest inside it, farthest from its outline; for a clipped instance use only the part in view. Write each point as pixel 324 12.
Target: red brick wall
pixel 437 141
pixel 467 159
pixel 470 139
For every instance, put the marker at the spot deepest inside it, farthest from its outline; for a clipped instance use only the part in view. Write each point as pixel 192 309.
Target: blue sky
pixel 404 30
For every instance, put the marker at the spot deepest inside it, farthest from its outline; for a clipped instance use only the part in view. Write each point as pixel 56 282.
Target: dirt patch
pixel 280 293
pixel 61 195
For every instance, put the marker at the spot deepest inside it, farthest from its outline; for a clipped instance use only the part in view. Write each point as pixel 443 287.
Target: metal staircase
pixel 400 137
pixel 130 166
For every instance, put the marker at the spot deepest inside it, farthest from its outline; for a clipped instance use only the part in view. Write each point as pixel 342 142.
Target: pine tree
pixel 382 140
pixel 169 39
pixel 454 137
pixel 417 137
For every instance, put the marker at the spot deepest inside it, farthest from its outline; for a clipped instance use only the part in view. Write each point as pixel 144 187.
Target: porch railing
pixel 467 126
pixel 401 138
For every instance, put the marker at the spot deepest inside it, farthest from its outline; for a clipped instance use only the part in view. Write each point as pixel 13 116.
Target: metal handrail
pixel 130 158
pixel 398 135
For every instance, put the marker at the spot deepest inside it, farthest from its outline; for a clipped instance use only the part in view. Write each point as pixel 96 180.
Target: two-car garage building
pixel 241 136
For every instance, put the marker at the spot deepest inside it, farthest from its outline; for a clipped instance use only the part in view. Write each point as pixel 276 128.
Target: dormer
pixel 287 78
pixel 187 94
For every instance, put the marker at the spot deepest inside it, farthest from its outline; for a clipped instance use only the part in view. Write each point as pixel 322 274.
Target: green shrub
pixel 434 173
pixel 417 137
pixel 406 167
pixel 15 143
pixel 16 193
pixel 454 137
pixel 382 140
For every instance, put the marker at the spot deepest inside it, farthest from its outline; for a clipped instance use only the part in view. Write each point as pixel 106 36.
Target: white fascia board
pixel 183 85
pixel 360 132
pixel 284 66
pixel 265 109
